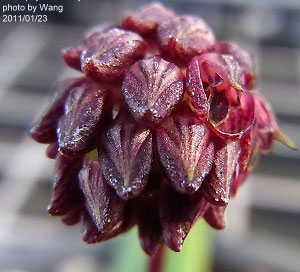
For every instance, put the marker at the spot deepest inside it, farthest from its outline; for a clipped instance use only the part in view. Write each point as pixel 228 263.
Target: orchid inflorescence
pixel 161 130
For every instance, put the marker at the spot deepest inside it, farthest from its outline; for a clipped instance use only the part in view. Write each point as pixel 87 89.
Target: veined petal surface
pixel 117 49
pixel 185 36
pixel 84 109
pixel 186 151
pixel 102 203
pixel 152 88
pixel 45 130
pixel 178 213
pixel 125 155
pixel 216 187
pixel 72 54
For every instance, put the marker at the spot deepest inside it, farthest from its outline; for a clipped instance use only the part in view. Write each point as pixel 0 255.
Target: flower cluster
pixel 161 130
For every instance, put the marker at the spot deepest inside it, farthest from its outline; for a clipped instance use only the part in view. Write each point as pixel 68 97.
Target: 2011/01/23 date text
pixel 6 18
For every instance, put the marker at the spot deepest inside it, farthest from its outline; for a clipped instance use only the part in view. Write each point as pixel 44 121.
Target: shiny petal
pixel 104 206
pixel 152 88
pixel 185 150
pixel 217 68
pixel 195 89
pixel 116 50
pixel 66 191
pixel 125 154
pixel 241 56
pixel 214 216
pixel 185 36
pixel 147 18
pixel 216 187
pixel 178 213
pixel 84 109
pixel 231 120
pixel 72 54
pixel 45 130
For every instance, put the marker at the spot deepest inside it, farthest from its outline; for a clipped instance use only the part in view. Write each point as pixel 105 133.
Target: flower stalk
pixel 156 261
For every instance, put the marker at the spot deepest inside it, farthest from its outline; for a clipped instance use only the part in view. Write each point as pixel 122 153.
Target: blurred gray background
pixel 263 232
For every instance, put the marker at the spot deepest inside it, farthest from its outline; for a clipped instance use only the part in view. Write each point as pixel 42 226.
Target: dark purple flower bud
pixel 72 54
pixel 116 51
pixel 184 37
pixel 45 130
pixel 150 232
pixel 125 154
pixel 147 18
pixel 216 187
pixel 178 213
pixel 214 216
pixel 85 108
pixel 152 88
pixel 186 151
pixel 102 203
pixel 66 192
